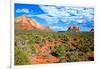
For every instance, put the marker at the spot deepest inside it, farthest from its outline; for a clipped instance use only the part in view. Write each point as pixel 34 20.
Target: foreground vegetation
pixel 39 47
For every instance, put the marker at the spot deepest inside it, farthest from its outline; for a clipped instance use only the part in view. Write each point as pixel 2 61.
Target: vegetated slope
pixel 41 47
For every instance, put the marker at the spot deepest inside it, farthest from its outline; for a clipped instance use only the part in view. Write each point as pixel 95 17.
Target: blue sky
pixel 58 18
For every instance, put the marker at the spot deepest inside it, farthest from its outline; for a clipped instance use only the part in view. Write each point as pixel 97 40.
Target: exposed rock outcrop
pixel 26 23
pixel 74 29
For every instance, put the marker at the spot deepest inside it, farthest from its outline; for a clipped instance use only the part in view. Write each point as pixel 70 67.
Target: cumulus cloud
pixel 53 14
pixel 24 10
pixel 81 21
pixel 65 14
pixel 54 11
pixel 58 28
pixel 48 18
pixel 29 15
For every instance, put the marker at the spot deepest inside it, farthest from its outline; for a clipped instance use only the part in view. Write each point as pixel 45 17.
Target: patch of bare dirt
pixel 43 54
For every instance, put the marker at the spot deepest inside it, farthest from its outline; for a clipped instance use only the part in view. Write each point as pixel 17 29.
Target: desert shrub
pixel 60 52
pixel 21 58
pixel 83 48
pixel 38 38
pixel 85 44
pixel 72 56
pixel 32 48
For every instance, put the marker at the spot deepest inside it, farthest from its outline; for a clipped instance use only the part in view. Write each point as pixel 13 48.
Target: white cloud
pixel 65 13
pixel 49 19
pixel 54 11
pixel 90 17
pixel 81 21
pixel 53 14
pixel 64 19
pixel 58 28
pixel 24 10
pixel 50 10
pixel 29 15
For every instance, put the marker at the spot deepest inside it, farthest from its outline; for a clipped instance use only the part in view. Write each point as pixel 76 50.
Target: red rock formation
pixel 74 29
pixel 26 23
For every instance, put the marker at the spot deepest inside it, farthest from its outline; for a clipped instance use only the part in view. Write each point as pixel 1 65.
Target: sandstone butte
pixel 26 23
pixel 74 29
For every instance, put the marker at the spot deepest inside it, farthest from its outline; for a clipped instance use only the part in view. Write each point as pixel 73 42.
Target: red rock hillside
pixel 26 23
pixel 74 29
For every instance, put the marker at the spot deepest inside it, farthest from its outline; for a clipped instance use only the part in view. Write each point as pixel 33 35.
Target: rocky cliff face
pixel 25 23
pixel 74 29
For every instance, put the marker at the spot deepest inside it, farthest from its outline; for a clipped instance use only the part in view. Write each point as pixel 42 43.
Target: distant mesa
pixel 25 23
pixel 74 29
pixel 92 30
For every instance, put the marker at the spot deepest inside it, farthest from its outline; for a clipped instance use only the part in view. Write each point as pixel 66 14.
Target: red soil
pixel 43 54
pixel 44 60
